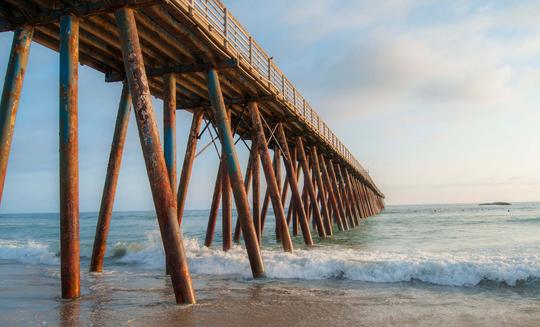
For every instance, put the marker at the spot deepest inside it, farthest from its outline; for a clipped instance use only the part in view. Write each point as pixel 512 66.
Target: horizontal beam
pixel 87 9
pixel 190 104
pixel 116 76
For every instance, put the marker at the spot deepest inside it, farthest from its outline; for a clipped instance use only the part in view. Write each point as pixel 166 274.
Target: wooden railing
pixel 249 52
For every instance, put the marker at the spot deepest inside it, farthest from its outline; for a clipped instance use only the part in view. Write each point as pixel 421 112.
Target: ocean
pixel 421 265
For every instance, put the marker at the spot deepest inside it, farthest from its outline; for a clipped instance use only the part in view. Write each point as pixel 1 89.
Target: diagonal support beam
pixel 299 204
pixel 331 194
pixel 320 184
pixel 235 175
pixel 111 181
pixel 270 175
pixel 214 208
pixel 310 188
pixel 164 201
pixel 247 181
pixel 338 195
pixel 11 93
pixel 187 166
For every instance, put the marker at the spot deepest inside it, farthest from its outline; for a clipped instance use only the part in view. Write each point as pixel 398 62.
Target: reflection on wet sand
pixel 70 313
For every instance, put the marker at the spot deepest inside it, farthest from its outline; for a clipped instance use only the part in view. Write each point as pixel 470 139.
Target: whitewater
pixel 457 265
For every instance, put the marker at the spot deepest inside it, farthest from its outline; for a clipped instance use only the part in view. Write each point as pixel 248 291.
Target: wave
pixel 27 252
pixel 334 262
pixel 318 263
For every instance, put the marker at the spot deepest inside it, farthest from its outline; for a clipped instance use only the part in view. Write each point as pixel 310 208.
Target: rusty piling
pixel 69 158
pixel 164 200
pixel 169 128
pixel 235 175
pixel 111 181
pixel 271 180
pixel 187 165
pixel 11 93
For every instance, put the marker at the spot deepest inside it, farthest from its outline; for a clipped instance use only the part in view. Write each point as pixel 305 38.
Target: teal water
pixel 461 260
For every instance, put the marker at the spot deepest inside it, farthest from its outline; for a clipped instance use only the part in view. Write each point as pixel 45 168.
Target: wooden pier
pixel 195 56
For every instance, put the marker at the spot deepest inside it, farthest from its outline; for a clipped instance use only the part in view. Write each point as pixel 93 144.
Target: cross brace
pixel 202 103
pixel 116 76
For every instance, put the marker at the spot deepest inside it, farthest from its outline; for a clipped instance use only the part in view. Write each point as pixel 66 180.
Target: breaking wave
pixel 27 252
pixel 453 269
pixel 328 262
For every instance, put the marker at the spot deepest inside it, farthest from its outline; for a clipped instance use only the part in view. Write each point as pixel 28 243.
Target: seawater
pixel 486 253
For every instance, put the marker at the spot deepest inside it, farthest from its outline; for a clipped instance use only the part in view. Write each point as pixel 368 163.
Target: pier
pixel 195 56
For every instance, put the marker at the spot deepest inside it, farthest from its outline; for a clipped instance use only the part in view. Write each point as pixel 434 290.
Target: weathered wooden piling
pixel 255 195
pixel 226 208
pixel 235 175
pixel 214 208
pixel 346 201
pixel 187 165
pixel 337 192
pixel 299 205
pixel 69 157
pixel 247 182
pixel 331 194
pixel 310 188
pixel 111 181
pixel 271 180
pixel 322 197
pixel 153 156
pixel 169 128
pixel 11 93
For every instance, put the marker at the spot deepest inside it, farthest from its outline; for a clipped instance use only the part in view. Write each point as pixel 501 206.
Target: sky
pixel 437 99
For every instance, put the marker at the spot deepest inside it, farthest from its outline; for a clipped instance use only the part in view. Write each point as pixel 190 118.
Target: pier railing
pixel 250 54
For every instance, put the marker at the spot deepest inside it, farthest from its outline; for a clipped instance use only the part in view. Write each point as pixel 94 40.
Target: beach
pixel 429 265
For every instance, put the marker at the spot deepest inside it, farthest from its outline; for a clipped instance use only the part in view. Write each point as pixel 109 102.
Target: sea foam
pixel 27 252
pixel 334 262
pixel 324 262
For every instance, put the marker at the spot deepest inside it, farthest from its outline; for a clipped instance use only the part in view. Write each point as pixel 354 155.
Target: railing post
pixel 225 26
pixel 250 51
pixel 20 48
pixel 191 6
pixel 269 72
pixel 69 158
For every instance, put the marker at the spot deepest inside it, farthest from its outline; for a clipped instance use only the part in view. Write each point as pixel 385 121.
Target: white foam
pixel 455 269
pixel 27 252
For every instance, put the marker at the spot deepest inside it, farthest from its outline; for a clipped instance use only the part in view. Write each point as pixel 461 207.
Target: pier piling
pixel 271 180
pixel 153 156
pixel 111 181
pixel 69 157
pixel 233 170
pixel 11 93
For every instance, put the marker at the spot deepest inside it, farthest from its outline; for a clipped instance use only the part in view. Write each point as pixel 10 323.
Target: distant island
pixel 496 204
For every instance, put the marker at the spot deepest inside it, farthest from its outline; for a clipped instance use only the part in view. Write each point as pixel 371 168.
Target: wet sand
pixel 145 299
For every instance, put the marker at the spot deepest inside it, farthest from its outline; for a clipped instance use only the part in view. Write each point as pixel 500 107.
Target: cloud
pixel 458 66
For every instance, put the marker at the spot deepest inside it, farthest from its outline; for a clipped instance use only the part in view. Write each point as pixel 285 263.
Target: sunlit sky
pixel 439 101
